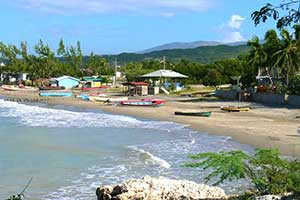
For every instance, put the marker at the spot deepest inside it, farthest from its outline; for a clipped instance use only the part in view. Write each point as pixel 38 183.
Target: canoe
pixel 108 99
pixel 56 94
pixel 18 88
pixel 196 114
pixel 83 96
pixel 235 109
pixel 144 102
pixel 52 88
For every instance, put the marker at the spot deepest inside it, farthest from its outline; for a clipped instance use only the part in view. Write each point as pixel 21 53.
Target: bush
pixel 267 171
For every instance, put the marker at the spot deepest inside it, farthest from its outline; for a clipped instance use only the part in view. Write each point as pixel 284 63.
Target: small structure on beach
pixel 136 88
pixel 164 74
pixel 161 76
pixel 65 81
pixel 92 82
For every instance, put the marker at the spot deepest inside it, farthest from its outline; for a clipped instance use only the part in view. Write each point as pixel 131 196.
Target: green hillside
pixel 205 54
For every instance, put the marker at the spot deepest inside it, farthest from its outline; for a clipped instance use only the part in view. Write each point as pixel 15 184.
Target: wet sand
pixel 271 127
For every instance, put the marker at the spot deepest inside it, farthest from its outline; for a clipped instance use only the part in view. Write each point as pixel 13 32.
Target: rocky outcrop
pixel 149 188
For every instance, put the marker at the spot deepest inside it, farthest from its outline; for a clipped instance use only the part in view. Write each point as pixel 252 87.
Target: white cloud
pixel 231 31
pixel 236 21
pixel 148 7
pixel 234 36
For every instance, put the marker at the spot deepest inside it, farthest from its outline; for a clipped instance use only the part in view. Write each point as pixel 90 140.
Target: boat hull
pixel 194 114
pixel 107 99
pixel 52 88
pixel 143 103
pixel 56 94
pixel 16 88
pixel 235 109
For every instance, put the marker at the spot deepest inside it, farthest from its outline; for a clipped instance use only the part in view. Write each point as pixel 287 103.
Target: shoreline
pixel 261 127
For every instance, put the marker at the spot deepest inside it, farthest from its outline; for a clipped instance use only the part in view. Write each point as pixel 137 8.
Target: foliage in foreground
pixel 267 171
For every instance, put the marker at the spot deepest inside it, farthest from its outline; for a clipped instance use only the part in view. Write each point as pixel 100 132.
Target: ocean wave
pixel 150 158
pixel 34 116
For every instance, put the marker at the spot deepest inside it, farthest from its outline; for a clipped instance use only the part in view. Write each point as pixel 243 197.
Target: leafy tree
pixel 285 13
pixel 268 172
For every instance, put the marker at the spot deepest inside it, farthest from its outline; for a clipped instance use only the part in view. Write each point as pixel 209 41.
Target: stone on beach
pixel 159 188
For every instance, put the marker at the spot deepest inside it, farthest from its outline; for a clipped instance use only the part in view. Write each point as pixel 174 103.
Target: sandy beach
pixel 271 127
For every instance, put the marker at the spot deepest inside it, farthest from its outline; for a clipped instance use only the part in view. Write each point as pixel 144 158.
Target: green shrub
pixel 267 171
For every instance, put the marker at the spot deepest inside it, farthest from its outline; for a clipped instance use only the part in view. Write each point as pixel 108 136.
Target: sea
pixel 69 152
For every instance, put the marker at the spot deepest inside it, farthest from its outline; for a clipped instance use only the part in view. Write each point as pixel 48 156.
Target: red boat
pixel 144 102
pixel 94 88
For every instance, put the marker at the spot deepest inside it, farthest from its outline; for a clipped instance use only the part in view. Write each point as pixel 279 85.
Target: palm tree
pixel 258 56
pixel 287 58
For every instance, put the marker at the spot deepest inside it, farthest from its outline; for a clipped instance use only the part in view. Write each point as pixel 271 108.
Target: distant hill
pixel 181 45
pixel 205 54
pixel 188 45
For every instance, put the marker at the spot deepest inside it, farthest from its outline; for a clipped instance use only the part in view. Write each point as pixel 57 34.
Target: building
pixel 92 82
pixel 136 88
pixel 65 81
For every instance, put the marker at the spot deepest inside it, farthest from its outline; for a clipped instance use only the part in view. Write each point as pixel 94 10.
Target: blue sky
pixel 113 26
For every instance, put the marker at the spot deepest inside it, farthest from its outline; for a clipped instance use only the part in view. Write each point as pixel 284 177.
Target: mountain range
pixel 202 54
pixel 189 45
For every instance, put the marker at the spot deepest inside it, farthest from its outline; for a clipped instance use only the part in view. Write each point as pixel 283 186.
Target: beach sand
pixel 270 127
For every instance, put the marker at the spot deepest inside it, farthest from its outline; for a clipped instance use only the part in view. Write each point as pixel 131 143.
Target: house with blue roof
pixel 65 81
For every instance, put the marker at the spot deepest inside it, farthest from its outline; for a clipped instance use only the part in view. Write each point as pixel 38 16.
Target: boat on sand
pixel 235 109
pixel 56 94
pixel 19 88
pixel 195 114
pixel 107 99
pixel 52 88
pixel 144 102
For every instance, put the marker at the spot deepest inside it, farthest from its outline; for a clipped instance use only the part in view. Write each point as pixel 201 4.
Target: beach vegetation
pixel 268 172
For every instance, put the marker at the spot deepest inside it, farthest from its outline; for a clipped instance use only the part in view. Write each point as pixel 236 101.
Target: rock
pixel 158 189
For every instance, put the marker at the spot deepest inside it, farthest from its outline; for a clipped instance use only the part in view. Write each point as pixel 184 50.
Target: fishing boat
pixel 19 88
pixel 196 114
pixel 56 94
pixel 107 99
pixel 94 88
pixel 52 88
pixel 235 109
pixel 83 96
pixel 144 102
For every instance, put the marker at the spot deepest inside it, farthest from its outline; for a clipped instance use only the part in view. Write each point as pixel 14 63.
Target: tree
pixel 287 58
pixel 286 13
pixel 61 51
pixel 267 171
pixel 258 55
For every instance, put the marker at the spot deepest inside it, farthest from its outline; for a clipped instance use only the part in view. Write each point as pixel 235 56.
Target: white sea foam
pixel 151 158
pixel 35 116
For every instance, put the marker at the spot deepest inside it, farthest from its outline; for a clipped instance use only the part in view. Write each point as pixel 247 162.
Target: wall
pixel 276 99
pixel 293 100
pixel 227 94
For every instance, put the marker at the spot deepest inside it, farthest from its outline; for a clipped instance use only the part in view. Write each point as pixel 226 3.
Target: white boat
pixel 19 88
pixel 108 99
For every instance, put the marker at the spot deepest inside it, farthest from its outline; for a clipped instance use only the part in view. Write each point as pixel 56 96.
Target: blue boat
pixel 83 97
pixel 56 94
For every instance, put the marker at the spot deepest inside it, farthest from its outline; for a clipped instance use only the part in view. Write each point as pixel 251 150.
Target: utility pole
pixel 116 68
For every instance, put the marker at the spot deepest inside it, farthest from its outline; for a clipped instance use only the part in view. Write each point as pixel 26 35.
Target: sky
pixel 114 26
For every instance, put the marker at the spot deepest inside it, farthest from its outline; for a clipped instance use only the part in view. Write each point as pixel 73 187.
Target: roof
pixel 88 78
pixel 136 83
pixel 164 73
pixel 64 77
